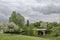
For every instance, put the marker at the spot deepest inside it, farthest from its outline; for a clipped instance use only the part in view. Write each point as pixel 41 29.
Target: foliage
pixel 17 18
pixel 12 28
pixel 35 33
pixel 37 24
pixel 13 17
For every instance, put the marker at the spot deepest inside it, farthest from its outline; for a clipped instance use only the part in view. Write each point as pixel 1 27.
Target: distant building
pixel 41 31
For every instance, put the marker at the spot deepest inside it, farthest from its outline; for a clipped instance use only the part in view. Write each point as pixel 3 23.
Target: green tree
pixel 13 17
pixel 20 20
pixel 17 18
pixel 55 24
pixel 37 24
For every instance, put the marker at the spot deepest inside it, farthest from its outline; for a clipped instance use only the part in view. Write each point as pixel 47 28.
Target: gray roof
pixel 40 29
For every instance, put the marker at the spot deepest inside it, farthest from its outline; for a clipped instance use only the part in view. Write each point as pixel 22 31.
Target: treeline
pixel 17 25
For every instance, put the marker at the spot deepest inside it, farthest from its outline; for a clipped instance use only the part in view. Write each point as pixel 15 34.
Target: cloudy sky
pixel 34 10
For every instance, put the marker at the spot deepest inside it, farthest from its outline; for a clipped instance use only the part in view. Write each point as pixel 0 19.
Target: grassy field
pixel 19 37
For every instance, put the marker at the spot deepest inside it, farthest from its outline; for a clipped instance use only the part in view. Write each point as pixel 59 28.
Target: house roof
pixel 40 29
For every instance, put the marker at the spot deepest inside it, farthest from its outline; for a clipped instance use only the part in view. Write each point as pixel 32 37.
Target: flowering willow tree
pixel 11 28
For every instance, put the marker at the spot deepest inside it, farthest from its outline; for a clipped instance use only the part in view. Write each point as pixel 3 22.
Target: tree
pixel 13 17
pixel 55 24
pixel 37 24
pixel 17 18
pixel 20 20
pixel 11 28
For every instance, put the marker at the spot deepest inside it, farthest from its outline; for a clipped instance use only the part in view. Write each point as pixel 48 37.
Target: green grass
pixel 19 37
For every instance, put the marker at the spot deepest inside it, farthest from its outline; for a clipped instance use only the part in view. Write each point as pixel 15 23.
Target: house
pixel 41 31
pixel 43 28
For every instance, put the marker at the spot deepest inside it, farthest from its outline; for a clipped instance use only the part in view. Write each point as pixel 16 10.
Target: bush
pixel 12 28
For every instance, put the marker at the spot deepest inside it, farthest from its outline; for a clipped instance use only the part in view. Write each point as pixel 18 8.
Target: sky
pixel 34 10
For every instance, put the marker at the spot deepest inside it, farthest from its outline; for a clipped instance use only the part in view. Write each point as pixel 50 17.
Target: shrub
pixel 12 28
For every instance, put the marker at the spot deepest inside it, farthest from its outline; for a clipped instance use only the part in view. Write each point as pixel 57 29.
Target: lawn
pixel 19 37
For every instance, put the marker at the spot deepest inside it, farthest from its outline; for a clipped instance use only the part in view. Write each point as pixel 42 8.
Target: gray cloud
pixel 48 1
pixel 35 10
pixel 49 9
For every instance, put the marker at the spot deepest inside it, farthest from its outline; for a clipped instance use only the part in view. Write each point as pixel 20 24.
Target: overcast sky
pixel 34 10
